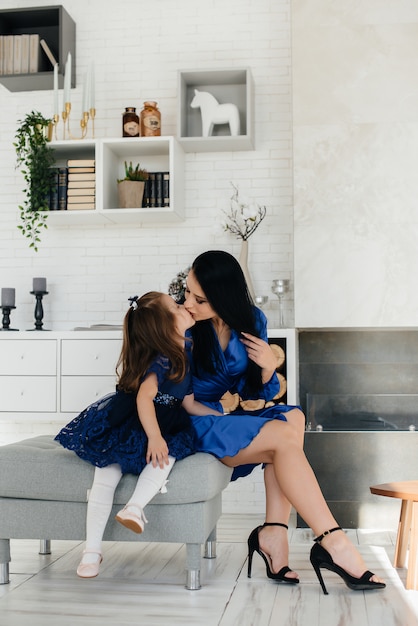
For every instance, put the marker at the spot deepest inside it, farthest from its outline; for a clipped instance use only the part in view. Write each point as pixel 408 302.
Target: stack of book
pixel 157 190
pixel 20 54
pixel 81 192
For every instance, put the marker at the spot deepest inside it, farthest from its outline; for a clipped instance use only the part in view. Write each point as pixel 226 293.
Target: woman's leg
pixel 273 539
pixel 279 444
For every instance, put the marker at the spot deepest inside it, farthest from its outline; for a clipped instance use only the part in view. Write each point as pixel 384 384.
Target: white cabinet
pixel 87 371
pixel 28 371
pixel 55 378
pixel 153 153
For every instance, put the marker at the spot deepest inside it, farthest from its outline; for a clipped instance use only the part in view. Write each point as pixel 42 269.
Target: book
pixel 88 176
pixel 159 200
pixel 149 191
pixel 166 189
pixel 81 170
pixel 17 54
pixel 53 194
pixel 8 54
pixel 81 206
pixel 48 52
pixel 33 53
pixel 81 184
pixel 25 54
pixel 81 163
pixel 80 191
pixel 80 199
pixel 62 188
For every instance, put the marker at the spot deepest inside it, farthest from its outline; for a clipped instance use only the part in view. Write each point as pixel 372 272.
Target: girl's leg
pixel 278 444
pixel 99 505
pixel 150 481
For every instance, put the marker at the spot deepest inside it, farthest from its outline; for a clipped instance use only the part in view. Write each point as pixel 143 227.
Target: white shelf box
pixel 233 86
pixel 153 153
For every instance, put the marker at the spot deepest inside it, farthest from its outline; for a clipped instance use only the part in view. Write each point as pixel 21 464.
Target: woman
pixel 231 353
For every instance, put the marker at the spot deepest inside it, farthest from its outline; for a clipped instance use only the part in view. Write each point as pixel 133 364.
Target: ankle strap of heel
pixel 276 524
pixel 327 532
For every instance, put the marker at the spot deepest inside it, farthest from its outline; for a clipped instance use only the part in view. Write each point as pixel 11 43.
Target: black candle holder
pixel 6 318
pixel 39 309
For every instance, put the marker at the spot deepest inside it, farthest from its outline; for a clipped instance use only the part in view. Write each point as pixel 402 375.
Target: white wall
pixel 355 122
pixel 138 48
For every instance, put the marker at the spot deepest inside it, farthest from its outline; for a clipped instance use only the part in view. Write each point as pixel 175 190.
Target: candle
pixel 8 297
pixel 39 284
pixel 67 81
pixel 56 89
pixel 86 97
pixel 91 87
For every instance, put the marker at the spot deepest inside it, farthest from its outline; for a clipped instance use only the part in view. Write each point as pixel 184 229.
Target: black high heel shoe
pixel 322 558
pixel 254 546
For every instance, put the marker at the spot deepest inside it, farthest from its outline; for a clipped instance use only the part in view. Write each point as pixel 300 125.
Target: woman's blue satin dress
pixel 227 434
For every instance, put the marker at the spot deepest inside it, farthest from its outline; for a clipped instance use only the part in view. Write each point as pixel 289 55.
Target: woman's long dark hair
pixel 223 283
pixel 149 331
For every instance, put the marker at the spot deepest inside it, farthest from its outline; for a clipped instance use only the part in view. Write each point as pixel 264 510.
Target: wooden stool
pixel 407 491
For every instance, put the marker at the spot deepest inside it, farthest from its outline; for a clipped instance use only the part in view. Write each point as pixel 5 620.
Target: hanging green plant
pixel 35 157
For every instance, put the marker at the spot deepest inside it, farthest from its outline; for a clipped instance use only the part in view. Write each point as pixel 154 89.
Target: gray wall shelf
pixel 53 24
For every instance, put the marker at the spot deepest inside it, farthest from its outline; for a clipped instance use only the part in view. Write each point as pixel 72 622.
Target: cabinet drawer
pixel 89 357
pixel 77 392
pixel 28 393
pixel 23 357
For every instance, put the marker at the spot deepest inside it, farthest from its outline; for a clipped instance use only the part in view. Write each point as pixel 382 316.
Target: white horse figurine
pixel 215 113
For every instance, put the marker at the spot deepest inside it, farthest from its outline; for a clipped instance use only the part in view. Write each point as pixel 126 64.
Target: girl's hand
pixel 260 352
pixel 157 451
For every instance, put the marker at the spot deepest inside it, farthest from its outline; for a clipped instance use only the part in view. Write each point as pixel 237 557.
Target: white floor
pixel 143 584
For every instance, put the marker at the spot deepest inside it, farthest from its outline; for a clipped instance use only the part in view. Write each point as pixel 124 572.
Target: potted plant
pixel 35 157
pixel 131 188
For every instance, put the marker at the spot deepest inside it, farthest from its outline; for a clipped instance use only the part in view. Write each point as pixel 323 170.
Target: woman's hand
pixel 157 451
pixel 260 352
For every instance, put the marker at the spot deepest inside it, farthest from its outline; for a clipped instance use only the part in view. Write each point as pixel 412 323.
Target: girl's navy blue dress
pixel 109 430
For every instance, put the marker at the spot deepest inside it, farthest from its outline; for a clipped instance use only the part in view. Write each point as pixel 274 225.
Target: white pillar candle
pixel 91 87
pixel 56 112
pixel 86 97
pixel 39 284
pixel 67 81
pixel 8 296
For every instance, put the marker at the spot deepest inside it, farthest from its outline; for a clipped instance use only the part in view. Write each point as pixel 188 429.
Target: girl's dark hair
pixel 223 283
pixel 149 331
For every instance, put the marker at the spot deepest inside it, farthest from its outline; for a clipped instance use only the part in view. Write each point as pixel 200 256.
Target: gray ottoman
pixel 44 491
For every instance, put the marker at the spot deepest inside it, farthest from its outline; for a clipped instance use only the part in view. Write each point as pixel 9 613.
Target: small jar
pixel 130 123
pixel 150 120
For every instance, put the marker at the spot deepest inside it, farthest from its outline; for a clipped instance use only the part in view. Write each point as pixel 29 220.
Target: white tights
pixel 106 479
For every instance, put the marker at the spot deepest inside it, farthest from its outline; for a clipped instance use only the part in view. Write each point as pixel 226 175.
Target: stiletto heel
pixel 322 558
pixel 254 546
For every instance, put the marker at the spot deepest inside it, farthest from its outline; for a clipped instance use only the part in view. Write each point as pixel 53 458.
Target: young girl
pixel 144 426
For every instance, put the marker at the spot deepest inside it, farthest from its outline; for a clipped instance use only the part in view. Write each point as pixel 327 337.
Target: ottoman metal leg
pixel 4 561
pixel 45 546
pixel 210 546
pixel 193 558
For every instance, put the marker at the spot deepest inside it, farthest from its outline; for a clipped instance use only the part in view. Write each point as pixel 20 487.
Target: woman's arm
pixel 157 451
pixel 197 408
pixel 260 352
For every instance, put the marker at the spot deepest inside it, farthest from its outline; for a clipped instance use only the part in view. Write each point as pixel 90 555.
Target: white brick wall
pixel 138 49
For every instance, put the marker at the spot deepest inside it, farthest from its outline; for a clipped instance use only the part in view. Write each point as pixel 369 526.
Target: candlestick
pixel 6 318
pixel 39 285
pixel 39 310
pixel 8 295
pixel 280 287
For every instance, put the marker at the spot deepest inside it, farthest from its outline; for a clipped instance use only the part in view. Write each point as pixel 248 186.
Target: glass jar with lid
pixel 130 123
pixel 150 120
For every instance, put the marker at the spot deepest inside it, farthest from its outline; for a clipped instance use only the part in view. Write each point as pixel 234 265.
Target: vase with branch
pixel 242 220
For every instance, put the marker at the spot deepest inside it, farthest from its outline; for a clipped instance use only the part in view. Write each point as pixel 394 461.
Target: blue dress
pixel 227 434
pixel 109 430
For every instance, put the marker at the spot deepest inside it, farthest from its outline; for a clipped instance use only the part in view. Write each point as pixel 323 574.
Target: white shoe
pixel 132 516
pixel 89 569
